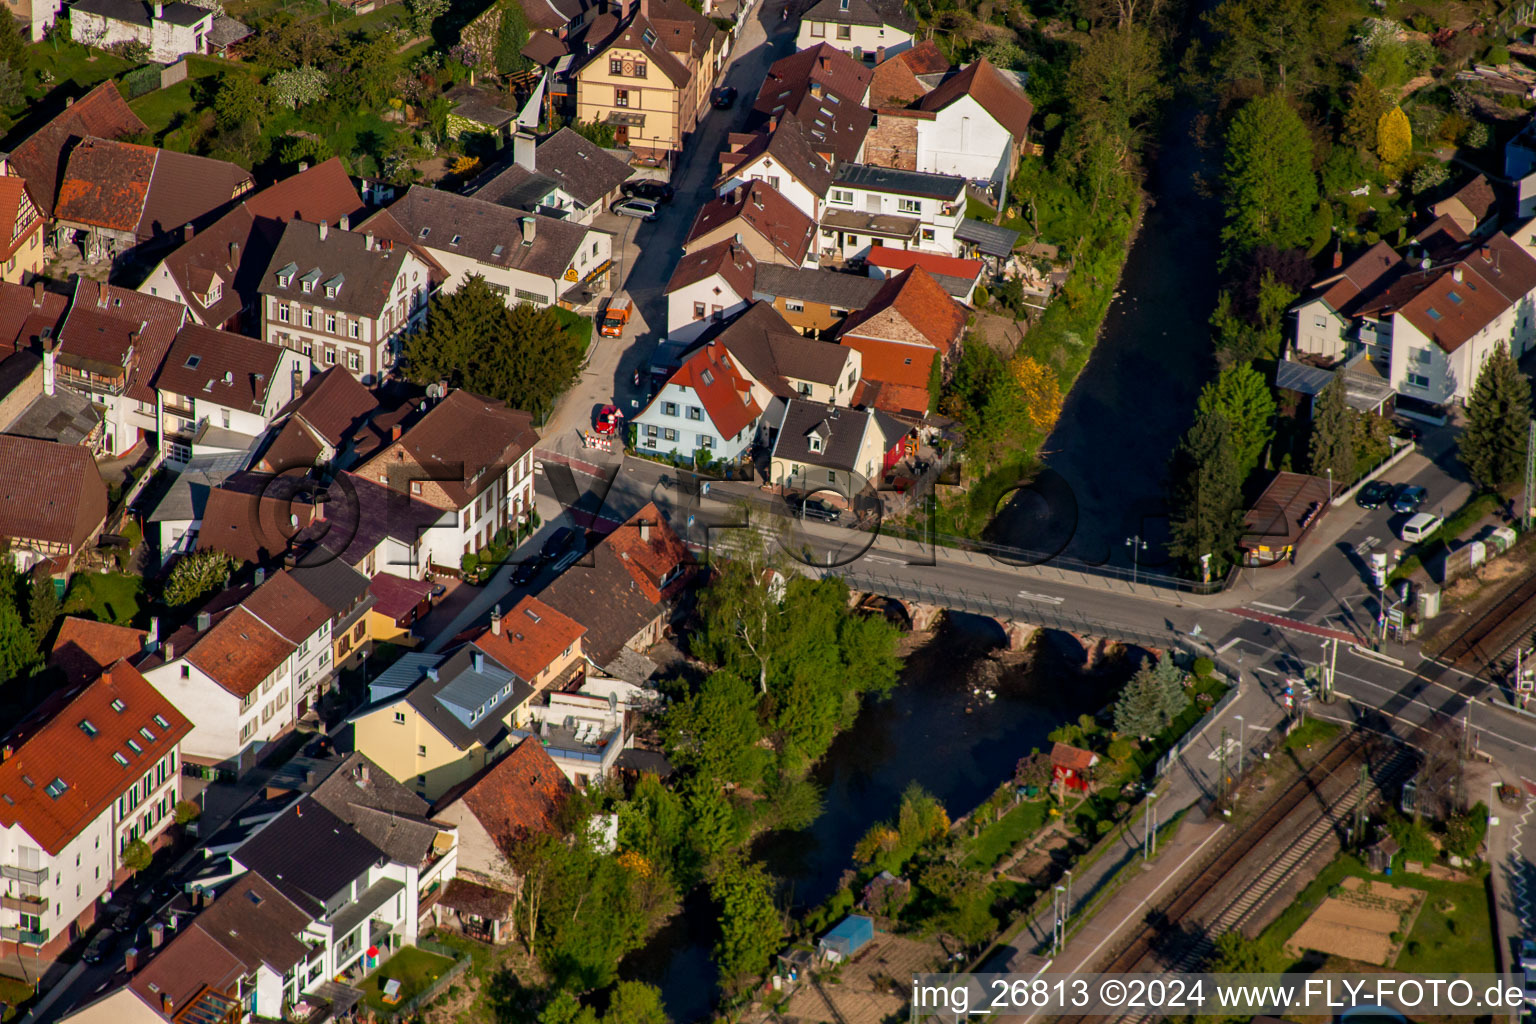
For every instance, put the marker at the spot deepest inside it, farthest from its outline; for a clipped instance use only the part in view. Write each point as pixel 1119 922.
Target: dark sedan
pixel 649 188
pixel 1408 499
pixel 557 544
pixel 1374 494
pixel 725 98
pixel 815 508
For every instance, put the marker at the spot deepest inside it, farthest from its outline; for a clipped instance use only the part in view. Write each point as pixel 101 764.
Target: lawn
pixel 1003 835
pixel 113 597
pixel 158 109
pixel 415 968
pixel 1309 733
pixel 1452 932
pixel 71 65
pixel 13 993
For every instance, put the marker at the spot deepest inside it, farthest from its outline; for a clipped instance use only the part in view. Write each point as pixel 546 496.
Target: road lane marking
pixel 1275 607
pixel 1367 544
pixel 1266 671
pixel 1224 648
pixel 1047 598
pixel 885 560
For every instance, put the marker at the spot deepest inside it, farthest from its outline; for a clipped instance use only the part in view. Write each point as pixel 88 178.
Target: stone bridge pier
pixel 925 616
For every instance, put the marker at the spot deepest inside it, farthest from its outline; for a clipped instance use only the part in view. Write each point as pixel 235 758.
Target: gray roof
pixel 382 810
pixel 367 275
pixel 487 232
pixel 518 187
pixel 226 31
pixel 460 687
pixel 991 239
pixel 791 147
pixel 308 854
pixel 771 350
pixel 332 581
pixel 899 182
pixel 585 170
pixel 64 417
pixel 136 12
pixel 862 12
pixel 405 673
pixel 846 291
pixel 888 225
pixel 183 496
pixel 370 899
pixel 1364 389
pixel 841 432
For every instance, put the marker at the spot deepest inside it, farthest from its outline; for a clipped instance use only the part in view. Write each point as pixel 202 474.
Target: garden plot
pixel 1360 920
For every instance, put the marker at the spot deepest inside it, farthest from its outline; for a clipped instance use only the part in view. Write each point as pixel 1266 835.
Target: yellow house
pixel 541 645
pixel 21 232
pixel 433 721
pixel 398 603
pixel 651 78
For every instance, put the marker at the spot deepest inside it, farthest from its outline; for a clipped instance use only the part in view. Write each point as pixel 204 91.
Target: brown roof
pixel 910 307
pixel 219 367
pixel 395 596
pixel 894 84
pixel 584 170
pixel 287 608
pixel 250 516
pixel 764 209
pixel 257 923
pixel 104 320
pixel 49 492
pixel 1360 277
pixel 652 553
pixel 106 183
pixel 293 447
pixel 366 271
pixel 1286 509
pixel 789 79
pixel 1477 196
pixel 771 350
pixel 488 232
pixel 633 37
pixel 24 311
pixel 998 95
pixel 334 404
pixel 1453 301
pixel 791 147
pixel 41 157
pixel 192 962
pixel 84 647
pixel 323 192
pixel 731 261
pixel 188 189
pixel 1076 758
pixel 924 58
pixel 529 637
pixel 239 652
pixel 544 48
pixel 520 795
pixel 462 443
pixel 62 749
pixel 482 901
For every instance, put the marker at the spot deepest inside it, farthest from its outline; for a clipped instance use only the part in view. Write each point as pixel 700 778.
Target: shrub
pixel 981 296
pixel 141 81
pixel 1121 749
pixel 1203 667
pixel 469 562
pixel 187 811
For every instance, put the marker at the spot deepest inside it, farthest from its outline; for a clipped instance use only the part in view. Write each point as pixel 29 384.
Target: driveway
pixel 645 254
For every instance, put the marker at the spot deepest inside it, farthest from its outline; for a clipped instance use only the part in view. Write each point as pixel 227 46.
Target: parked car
pixel 1408 499
pixel 1419 527
pixel 557 544
pixel 526 572
pixel 1409 430
pixel 100 946
pixel 815 508
pixel 643 209
pixel 1528 954
pixel 1374 494
pixel 649 189
pixel 725 98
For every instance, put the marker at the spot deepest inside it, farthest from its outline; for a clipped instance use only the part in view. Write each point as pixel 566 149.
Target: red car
pixel 608 419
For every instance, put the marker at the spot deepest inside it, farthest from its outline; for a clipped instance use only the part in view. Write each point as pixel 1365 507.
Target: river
pixel 932 731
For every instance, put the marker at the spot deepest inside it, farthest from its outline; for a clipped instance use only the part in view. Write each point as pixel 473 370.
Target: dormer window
pixel 286 275
pixel 815 442
pixel 455 239
pixel 333 287
pixel 649 37
pixel 57 788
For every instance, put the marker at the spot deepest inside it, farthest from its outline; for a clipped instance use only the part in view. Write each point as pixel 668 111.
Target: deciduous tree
pixel 299 87
pixel 1394 138
pixel 241 100
pixel 1042 391
pixel 750 927
pixel 195 575
pixel 1492 446
pixel 423 13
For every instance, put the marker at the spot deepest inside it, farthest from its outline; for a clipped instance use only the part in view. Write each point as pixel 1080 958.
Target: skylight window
pixel 56 788
pixel 1454 296
pixel 88 727
pixel 455 239
pixel 133 745
pixel 149 737
pixel 161 722
pixel 117 756
pixel 192 362
pixel 498 250
pixel 649 37
pixel 424 232
pixel 119 706
pixel 1434 314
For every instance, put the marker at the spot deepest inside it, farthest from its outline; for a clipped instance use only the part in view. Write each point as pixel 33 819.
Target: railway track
pixel 1485 641
pixel 1344 757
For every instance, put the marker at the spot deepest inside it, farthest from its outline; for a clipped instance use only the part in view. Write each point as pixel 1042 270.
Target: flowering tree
pixel 299 86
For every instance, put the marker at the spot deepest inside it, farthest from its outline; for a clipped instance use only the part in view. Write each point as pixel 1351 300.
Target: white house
pixel 218 383
pixel 978 125
pixel 284 606
pixel 524 257
pixel 785 158
pixel 342 299
pixel 871 206
pixel 708 286
pixel 869 30
pixel 231 675
pixel 169 30
pixel 471 456
pixel 712 403
pixel 565 176
pixel 100 772
pixel 111 346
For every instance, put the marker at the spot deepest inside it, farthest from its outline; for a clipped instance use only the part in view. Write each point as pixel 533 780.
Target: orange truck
pixel 616 316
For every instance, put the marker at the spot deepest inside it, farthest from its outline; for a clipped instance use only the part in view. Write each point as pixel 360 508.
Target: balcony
pixel 32 876
pixel 29 938
pixel 25 904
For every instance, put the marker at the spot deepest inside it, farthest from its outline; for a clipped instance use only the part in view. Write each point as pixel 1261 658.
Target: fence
pixel 408 1008
pixel 1375 471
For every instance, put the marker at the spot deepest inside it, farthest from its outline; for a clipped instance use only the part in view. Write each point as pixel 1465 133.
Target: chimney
pixel 345 223
pixel 103 300
pixel 826 63
pixel 816 90
pixel 159 10
pixel 187 231
pixel 1487 254
pixel 170 651
pixel 204 620
pixel 773 124
pixel 37 292
pixel 156 935
pixel 496 621
pixel 432 673
pixel 645 532
pixel 524 151
pixel 879 55
pixel 261 576
pixel 394 432
pixel 167 1004
pixel 234 254
pixel 50 364
pixel 736 194
pixel 324 230
pixel 153 636
pixel 6 752
pixel 1456 274
pixel 477 659
pixel 319 515
pixel 303 166
pixel 362 774
pixel 530 230
pixel 368 241
pixel 131 958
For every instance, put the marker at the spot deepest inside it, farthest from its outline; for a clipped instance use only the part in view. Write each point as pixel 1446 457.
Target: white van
pixel 1419 526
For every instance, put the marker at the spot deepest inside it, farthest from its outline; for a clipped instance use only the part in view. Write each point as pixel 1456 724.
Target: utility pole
pixel 1242 744
pixel 1529 495
pixel 1331 648
pixel 1360 805
pixel 1221 783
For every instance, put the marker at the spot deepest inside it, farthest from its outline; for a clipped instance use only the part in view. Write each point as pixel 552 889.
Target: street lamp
pixel 1330 483
pixel 1242 743
pixel 1493 802
pixel 1137 546
pixel 1149 828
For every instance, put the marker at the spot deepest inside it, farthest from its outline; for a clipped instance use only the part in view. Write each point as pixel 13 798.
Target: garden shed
pixel 846 938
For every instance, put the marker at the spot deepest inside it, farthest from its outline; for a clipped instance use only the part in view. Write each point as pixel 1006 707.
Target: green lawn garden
pixel 416 969
pixel 113 597
pixel 998 838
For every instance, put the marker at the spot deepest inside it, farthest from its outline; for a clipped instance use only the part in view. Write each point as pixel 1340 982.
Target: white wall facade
pixel 224 726
pixel 965 139
pixel 1320 331
pixel 676 420
pixel 938 219
pixel 692 308
pixel 518 286
pixel 1422 369
pixel 167 42
pixel 866 39
pixel 765 168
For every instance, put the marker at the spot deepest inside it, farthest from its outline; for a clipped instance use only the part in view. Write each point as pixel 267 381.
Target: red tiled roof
pixel 1369 269
pixel 764 209
pixel 924 58
pixel 722 389
pixel 911 307
pixel 731 261
pixel 520 795
pixel 49 492
pixel 187 189
pixel 63 749
pixel 650 549
pixel 287 608
pixel 998 96
pixel 24 312
pixel 894 84
pixel 323 192
pixel 335 403
pixel 529 638
pixel 1075 758
pixel 103 316
pixel 935 263
pixel 395 596
pixel 41 157
pixel 253 527
pixel 897 399
pixel 239 652
pixel 84 647
pixel 106 183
